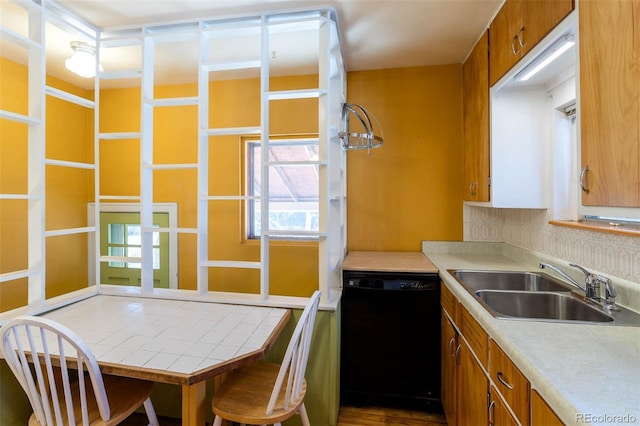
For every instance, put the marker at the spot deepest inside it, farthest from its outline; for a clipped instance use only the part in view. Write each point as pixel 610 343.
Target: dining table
pixel 182 342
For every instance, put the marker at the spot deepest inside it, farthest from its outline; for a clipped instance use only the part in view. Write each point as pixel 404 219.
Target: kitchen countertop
pixel 588 374
pixel 388 261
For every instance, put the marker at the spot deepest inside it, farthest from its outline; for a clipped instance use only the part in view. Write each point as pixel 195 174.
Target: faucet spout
pixel 564 274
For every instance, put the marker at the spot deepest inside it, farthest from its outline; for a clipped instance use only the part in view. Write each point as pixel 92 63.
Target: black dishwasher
pixel 390 340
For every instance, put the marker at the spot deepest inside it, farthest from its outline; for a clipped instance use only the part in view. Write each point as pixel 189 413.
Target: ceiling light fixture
pixel 545 58
pixel 83 60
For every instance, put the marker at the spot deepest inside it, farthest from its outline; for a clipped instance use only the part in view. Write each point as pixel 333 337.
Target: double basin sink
pixel 536 296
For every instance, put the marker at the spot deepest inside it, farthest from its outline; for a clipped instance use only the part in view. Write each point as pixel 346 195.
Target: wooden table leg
pixel 194 404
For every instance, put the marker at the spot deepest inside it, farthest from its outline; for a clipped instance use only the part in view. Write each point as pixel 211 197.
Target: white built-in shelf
pixel 70 97
pixel 119 135
pixel 18 39
pixel 169 102
pixel 20 118
pixel 229 131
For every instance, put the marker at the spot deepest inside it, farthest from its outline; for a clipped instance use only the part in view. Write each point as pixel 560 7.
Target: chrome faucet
pixel 592 285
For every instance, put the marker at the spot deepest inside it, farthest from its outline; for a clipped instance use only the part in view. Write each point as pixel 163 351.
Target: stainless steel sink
pixel 541 305
pixel 537 296
pixel 474 280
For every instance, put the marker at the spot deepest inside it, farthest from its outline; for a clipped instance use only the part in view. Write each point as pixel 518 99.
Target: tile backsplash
pixel 610 254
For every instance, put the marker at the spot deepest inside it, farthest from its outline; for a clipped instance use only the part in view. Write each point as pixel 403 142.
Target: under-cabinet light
pixel 83 60
pixel 546 57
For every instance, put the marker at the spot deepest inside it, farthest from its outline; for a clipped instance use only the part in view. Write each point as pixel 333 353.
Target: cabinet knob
pixel 583 175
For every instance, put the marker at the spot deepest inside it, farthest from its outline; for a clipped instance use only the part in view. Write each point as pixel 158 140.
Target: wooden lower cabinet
pixel 541 413
pixel 448 348
pixel 509 381
pixel 465 384
pixel 472 389
pixel 499 414
pixel 480 383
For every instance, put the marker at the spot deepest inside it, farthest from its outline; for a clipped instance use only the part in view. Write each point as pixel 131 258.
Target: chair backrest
pixel 53 344
pixel 295 358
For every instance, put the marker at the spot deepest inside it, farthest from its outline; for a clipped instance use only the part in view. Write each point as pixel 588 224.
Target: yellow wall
pixel 67 191
pixel 408 190
pixel 293 266
pixel 405 192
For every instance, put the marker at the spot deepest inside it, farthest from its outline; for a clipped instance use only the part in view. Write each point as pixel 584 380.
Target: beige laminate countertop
pixel 388 261
pixel 588 374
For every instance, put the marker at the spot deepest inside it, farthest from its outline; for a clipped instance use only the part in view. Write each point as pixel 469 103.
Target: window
pixel 121 236
pixel 293 187
pixel 125 240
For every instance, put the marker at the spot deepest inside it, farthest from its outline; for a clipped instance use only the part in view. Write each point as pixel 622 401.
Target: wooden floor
pixel 366 416
pixel 349 416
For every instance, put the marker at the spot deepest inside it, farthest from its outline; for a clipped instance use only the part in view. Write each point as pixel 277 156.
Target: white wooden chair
pixel 255 394
pixel 56 395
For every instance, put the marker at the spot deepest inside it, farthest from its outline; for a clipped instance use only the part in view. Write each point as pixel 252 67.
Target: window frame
pixel 248 161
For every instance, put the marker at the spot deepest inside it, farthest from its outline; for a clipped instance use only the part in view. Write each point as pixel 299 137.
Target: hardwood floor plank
pixel 348 416
pixel 370 416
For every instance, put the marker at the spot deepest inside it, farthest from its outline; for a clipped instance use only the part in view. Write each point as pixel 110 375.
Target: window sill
pixel 597 226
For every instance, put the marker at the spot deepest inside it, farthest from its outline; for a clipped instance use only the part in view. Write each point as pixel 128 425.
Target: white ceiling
pixel 375 34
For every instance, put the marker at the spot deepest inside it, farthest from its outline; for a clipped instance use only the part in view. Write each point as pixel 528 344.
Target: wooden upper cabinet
pixel 610 102
pixel 540 17
pixel 505 49
pixel 518 27
pixel 475 89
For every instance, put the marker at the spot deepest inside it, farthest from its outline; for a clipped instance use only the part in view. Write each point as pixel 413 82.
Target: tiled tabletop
pixel 176 337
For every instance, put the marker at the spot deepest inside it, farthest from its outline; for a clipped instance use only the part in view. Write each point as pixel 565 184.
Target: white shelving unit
pixel 330 166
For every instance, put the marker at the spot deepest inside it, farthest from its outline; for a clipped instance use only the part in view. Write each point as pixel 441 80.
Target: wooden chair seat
pixel 264 393
pixel 245 393
pixel 125 396
pixel 62 378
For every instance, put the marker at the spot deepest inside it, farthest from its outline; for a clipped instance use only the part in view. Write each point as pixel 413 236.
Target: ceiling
pixel 375 34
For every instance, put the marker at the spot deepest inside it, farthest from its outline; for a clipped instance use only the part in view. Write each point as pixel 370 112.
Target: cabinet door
pixel 610 102
pixel 475 89
pixel 541 413
pixel 448 348
pixel 512 384
pixel 473 388
pixel 539 18
pixel 503 39
pixel 499 415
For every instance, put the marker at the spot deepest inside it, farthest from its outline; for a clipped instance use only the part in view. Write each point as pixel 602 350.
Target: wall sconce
pixel 83 60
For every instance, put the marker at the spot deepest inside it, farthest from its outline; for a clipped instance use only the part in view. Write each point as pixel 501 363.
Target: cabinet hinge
pixel 489 181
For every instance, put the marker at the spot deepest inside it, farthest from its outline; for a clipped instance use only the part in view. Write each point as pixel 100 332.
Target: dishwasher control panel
pixel 391 284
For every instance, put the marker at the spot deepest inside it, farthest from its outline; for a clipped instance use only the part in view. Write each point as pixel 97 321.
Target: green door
pixel 120 235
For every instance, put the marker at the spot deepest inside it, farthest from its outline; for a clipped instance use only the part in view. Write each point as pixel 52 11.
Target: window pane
pixel 134 252
pixel 156 237
pixel 293 188
pixel 156 258
pixel 134 236
pixel 116 233
pixel 116 251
